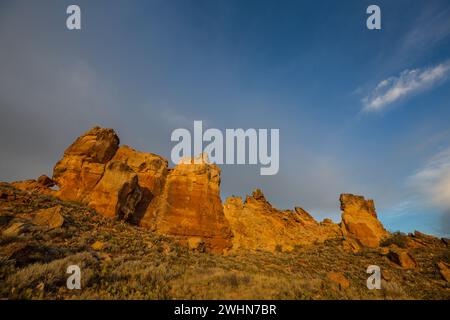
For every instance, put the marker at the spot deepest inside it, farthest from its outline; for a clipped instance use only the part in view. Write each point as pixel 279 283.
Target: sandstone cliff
pixel 360 222
pixel 122 183
pixel 184 202
pixel 190 207
pixel 257 225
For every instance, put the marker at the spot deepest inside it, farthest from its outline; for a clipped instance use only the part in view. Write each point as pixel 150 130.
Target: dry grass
pixel 137 264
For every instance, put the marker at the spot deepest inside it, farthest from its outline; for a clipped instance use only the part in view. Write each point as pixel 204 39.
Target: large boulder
pixel 83 164
pixel 360 222
pixel 338 280
pixel 51 218
pixel 97 145
pixel 444 270
pixel 89 173
pixel 401 257
pixel 15 229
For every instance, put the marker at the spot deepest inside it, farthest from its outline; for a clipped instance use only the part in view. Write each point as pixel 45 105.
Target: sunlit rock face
pixel 122 183
pixel 360 222
pixel 190 207
pixel 88 174
pixel 257 225
pixel 184 202
pixel 83 163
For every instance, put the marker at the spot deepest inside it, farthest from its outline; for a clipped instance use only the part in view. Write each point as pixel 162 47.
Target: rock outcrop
pixel 360 222
pixel 257 225
pixel 15 229
pixel 51 218
pixel 401 257
pixel 190 207
pixel 87 173
pixel 84 163
pixel 40 185
pixel 117 193
pixel 122 183
pixel 184 202
pixel 151 171
pixel 422 240
pixel 338 280
pixel 444 270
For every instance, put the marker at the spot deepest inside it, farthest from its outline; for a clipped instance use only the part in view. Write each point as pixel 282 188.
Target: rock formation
pixel 401 257
pixel 117 193
pixel 257 225
pixel 87 173
pixel 360 222
pixel 184 202
pixel 50 217
pixel 83 164
pixel 122 183
pixel 444 270
pixel 338 280
pixel 36 185
pixel 150 168
pixel 190 207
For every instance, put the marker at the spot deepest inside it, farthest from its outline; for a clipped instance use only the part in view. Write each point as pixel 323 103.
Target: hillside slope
pixel 42 235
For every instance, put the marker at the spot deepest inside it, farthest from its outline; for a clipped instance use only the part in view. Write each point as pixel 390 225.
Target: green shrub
pixel 398 238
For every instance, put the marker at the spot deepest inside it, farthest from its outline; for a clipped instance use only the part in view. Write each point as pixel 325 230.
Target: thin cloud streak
pixel 429 29
pixel 433 180
pixel 409 82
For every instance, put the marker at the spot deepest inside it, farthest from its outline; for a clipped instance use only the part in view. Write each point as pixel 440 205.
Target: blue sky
pixel 359 111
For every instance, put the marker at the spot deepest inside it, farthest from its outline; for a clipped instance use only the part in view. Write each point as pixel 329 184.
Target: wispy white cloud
pixel 401 209
pixel 409 82
pixel 428 30
pixel 433 180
